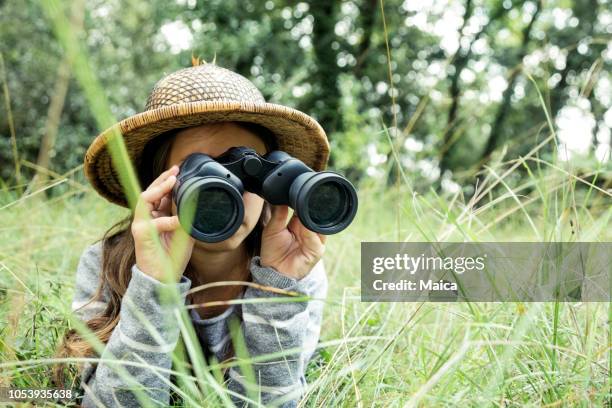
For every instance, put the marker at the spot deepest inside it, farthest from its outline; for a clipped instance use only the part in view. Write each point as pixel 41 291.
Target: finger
pixel 294 225
pixel 162 206
pixel 308 237
pixel 166 224
pixel 165 205
pixel 156 193
pixel 157 214
pixel 142 209
pixel 311 242
pixel 278 220
pixel 172 171
pixel 181 241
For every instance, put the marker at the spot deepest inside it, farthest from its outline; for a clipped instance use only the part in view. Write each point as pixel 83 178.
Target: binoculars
pixel 208 192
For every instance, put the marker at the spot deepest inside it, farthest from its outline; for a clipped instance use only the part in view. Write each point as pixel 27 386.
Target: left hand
pixel 290 248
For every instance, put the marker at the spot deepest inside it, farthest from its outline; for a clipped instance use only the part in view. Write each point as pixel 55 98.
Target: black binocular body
pixel 208 192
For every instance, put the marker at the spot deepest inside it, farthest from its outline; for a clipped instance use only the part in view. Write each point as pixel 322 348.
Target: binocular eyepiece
pixel 208 192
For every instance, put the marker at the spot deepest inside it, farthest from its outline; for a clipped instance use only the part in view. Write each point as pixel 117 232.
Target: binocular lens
pixel 328 204
pixel 210 208
pixel 214 210
pixel 325 202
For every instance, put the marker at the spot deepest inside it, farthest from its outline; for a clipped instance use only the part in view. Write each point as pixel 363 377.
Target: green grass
pixel 372 354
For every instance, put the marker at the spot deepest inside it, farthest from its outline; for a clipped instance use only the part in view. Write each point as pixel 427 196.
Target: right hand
pixel 153 215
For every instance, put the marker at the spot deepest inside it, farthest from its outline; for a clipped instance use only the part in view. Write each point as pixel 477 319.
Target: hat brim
pixel 296 133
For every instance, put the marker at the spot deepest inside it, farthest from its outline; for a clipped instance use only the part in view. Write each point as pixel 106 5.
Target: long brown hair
pixel 118 253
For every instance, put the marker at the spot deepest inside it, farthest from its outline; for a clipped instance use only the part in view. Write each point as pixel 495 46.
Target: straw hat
pixel 194 96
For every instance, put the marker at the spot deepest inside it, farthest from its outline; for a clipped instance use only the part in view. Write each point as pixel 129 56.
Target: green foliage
pixel 330 63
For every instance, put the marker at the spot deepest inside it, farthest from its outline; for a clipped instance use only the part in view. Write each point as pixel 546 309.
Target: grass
pixel 372 354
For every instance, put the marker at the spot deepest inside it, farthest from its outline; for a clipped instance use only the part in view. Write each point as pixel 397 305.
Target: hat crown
pixel 202 83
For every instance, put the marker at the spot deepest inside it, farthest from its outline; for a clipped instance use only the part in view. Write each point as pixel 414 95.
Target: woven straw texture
pixel 198 95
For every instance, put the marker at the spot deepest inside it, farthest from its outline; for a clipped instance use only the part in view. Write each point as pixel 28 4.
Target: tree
pixel 459 62
pixel 496 134
pixel 58 97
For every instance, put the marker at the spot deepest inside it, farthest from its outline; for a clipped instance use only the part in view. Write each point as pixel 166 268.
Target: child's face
pixel 213 140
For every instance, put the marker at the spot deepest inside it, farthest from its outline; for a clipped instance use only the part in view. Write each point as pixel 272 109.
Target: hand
pixel 153 215
pixel 291 248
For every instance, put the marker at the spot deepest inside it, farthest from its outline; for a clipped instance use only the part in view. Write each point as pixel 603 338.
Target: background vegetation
pixel 478 120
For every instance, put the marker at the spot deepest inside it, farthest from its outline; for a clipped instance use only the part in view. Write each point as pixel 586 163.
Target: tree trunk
pixel 327 95
pixel 587 12
pixel 496 129
pixel 368 10
pixel 460 61
pixel 56 105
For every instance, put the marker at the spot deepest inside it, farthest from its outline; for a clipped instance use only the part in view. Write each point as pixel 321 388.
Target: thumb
pixel 166 224
pixel 278 220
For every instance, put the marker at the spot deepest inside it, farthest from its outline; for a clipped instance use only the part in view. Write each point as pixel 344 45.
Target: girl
pixel 204 109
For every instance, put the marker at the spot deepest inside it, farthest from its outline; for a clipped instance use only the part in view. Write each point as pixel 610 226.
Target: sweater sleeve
pixel 85 303
pixel 272 327
pixel 145 334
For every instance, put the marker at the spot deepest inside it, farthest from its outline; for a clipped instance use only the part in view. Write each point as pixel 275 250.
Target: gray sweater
pixel 266 327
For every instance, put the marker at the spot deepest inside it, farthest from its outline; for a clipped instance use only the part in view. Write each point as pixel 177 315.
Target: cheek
pixel 253 205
